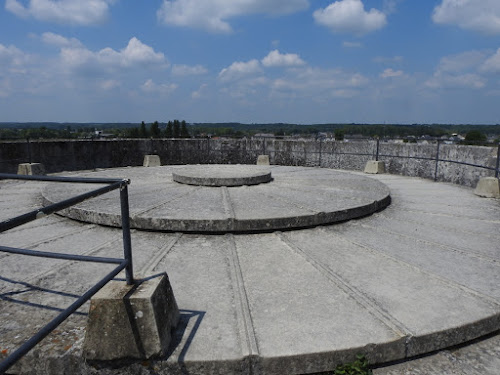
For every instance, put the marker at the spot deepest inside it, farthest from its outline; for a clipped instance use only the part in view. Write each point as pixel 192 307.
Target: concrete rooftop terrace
pixel 418 276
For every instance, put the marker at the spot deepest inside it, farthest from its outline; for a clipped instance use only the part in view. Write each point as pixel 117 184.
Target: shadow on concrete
pixel 7 296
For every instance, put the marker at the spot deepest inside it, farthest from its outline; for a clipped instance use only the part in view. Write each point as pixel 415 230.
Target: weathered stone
pixel 488 187
pixel 263 160
pixel 131 321
pixel 375 167
pixel 221 175
pixel 151 161
pixel 31 169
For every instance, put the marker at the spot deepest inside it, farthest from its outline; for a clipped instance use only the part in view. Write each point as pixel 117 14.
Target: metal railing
pixel 122 264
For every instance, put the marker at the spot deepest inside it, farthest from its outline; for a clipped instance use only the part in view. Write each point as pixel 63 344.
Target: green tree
pixel 143 132
pixel 339 135
pixel 155 130
pixel 177 129
pixel 169 131
pixel 184 131
pixel 475 136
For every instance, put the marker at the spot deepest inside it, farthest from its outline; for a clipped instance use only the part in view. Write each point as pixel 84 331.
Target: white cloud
pixel 458 71
pixel 389 73
pixel 349 16
pixel 201 92
pixel 275 58
pixel 240 69
pixel 109 84
pixel 135 54
pixel 476 15
pixel 492 64
pixel 186 70
pixel 60 41
pixel 352 44
pixel 73 12
pixel 12 58
pixel 163 88
pixel 388 60
pixel 212 15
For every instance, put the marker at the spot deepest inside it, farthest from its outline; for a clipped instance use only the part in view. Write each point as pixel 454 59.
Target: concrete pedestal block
pixel 488 187
pixel 375 167
pixel 151 161
pixel 131 321
pixel 36 169
pixel 263 160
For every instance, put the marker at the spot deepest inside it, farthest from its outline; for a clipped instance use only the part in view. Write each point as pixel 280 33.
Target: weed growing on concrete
pixel 358 367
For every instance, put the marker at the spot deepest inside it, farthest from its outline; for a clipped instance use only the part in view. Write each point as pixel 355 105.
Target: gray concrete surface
pixel 220 175
pixel 297 197
pixel 420 276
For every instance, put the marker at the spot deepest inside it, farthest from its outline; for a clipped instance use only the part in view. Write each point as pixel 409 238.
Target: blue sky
pixel 297 61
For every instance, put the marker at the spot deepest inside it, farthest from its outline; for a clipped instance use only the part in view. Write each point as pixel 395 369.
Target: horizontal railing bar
pixel 83 180
pixel 36 214
pixel 47 254
pixel 40 335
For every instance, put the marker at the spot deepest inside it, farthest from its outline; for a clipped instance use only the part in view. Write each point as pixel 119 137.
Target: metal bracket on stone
pixel 131 321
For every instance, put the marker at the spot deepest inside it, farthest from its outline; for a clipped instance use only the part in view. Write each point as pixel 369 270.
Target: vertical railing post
pixel 437 160
pixel 498 161
pixel 127 242
pixel 320 144
pixel 378 147
pixel 29 150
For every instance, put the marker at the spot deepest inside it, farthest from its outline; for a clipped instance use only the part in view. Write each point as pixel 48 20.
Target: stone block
pixel 31 169
pixel 375 167
pixel 488 187
pixel 131 321
pixel 263 160
pixel 151 161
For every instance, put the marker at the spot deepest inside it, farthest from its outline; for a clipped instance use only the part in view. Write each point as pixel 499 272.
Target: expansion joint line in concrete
pixel 359 297
pixel 155 206
pixel 291 203
pixel 162 253
pixel 53 238
pixel 244 316
pixel 35 279
pixel 467 253
pixel 38 224
pixel 445 281
pixel 228 204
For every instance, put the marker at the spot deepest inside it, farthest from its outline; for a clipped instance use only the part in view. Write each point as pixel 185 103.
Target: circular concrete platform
pixel 419 276
pixel 221 175
pixel 297 197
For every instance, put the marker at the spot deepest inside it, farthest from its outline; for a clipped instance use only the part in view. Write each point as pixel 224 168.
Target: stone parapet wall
pixel 69 155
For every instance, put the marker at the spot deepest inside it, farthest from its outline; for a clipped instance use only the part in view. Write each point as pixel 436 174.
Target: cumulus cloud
pixel 482 16
pixel 212 15
pixel 201 92
pixel 134 54
pixel 164 88
pixel 240 69
pixel 186 70
pixel 275 58
pixel 388 60
pixel 12 58
pixel 352 44
pixel 492 64
pixel 458 71
pixel 60 41
pixel 73 12
pixel 350 16
pixel 389 73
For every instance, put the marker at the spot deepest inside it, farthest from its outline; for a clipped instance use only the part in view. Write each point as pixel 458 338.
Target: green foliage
pixel 475 136
pixel 339 135
pixel 155 130
pixel 143 132
pixel 169 130
pixel 184 132
pixel 177 129
pixel 358 367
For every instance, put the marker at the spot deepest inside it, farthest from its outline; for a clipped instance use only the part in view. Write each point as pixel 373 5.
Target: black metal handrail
pixel 122 264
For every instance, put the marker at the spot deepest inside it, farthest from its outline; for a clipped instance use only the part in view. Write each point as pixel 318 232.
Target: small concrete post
pixel 31 169
pixel 131 321
pixel 374 167
pixel 488 187
pixel 263 160
pixel 151 161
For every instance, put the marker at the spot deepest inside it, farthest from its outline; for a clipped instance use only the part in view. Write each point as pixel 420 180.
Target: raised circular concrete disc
pixel 221 175
pixel 419 276
pixel 297 197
